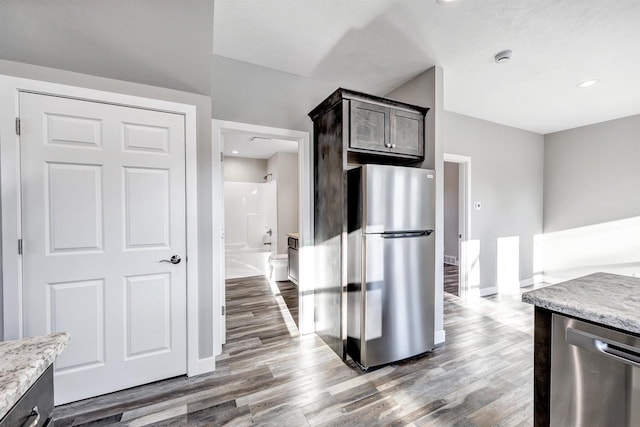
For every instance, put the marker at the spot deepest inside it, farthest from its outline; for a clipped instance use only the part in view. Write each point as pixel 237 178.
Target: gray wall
pixel 242 169
pixel 506 177
pixel 284 167
pixel 451 180
pixel 165 43
pixel 591 200
pixel 249 93
pixel 203 105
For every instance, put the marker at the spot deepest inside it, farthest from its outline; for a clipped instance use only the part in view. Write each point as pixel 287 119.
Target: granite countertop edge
pixel 607 299
pixel 22 362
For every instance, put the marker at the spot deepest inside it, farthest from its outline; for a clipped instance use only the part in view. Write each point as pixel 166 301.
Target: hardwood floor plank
pixel 268 374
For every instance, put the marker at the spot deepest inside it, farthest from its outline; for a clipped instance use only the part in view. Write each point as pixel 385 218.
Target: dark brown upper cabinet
pixel 406 135
pixel 369 126
pixel 377 129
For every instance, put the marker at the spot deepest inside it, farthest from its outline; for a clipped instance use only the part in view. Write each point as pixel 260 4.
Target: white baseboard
pixel 552 280
pixel 451 260
pixel 439 337
pixel 526 282
pixel 206 364
pixel 485 292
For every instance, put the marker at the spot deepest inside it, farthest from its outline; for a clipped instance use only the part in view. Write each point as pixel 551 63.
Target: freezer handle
pixel 609 348
pixel 401 235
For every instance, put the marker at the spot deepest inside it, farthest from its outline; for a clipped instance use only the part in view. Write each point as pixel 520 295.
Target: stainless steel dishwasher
pixel 595 375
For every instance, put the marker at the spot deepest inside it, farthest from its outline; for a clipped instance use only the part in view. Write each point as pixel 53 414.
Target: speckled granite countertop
pixel 608 299
pixel 22 362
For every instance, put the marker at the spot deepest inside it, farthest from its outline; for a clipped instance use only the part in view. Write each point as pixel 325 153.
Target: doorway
pixel 103 205
pixel 262 196
pixel 451 228
pixel 457 190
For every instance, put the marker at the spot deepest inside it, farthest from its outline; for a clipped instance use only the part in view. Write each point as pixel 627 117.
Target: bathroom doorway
pixel 250 217
pixel 260 181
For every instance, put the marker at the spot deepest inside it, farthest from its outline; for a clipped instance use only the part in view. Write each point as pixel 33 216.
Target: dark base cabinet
pixel 293 259
pixel 35 406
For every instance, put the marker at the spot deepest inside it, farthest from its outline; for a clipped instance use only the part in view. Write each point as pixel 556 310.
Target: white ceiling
pixel 164 43
pixel 259 148
pixel 375 46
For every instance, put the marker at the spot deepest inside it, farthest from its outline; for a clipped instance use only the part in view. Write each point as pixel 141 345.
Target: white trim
pixel 206 364
pixel 439 337
pixel 10 184
pixel 485 292
pixel 464 215
pixel 552 280
pixel 305 217
pixel 527 282
pixel 450 260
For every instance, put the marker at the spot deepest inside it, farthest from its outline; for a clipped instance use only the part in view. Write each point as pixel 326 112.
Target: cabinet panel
pixel 37 400
pixel 293 265
pixel 369 126
pixel 406 133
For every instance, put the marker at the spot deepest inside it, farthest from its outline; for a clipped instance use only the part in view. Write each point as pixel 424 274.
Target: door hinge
pixel 17 125
pixel 221 156
pixel 223 310
pixel 19 246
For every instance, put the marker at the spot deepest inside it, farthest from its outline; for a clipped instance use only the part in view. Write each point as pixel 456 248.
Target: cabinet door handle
pixel 33 422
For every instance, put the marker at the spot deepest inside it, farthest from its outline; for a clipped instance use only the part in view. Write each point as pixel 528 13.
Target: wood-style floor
pixel 451 279
pixel 270 375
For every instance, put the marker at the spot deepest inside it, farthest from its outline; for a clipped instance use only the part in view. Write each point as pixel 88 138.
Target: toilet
pixel 278 268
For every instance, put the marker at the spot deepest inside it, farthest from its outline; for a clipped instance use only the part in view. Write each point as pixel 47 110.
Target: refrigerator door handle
pixel 406 234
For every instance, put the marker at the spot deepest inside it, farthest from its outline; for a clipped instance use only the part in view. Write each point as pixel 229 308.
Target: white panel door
pixel 103 203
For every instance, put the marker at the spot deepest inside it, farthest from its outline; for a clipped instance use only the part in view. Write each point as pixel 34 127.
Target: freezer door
pixel 398 298
pixel 397 198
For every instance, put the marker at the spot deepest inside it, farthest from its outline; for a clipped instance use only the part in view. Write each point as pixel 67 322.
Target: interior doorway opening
pixel 261 200
pixel 457 223
pixel 452 234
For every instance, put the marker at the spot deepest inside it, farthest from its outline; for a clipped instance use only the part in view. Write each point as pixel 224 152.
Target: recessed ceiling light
pixel 588 83
pixel 235 152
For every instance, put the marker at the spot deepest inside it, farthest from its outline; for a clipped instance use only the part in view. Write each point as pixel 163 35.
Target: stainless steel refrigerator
pixel 390 263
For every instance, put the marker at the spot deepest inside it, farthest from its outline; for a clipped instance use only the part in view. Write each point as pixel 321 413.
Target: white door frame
pixel 305 217
pixel 10 87
pixel 464 217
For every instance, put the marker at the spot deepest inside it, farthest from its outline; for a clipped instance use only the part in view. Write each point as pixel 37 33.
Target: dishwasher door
pixel 595 375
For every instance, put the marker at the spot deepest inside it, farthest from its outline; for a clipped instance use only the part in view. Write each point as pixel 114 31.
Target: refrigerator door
pixel 397 319
pixel 397 198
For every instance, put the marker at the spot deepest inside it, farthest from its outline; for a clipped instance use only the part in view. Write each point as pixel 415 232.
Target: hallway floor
pixel 268 374
pixel 451 274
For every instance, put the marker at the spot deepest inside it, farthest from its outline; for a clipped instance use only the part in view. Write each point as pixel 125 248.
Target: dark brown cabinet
pixel 386 130
pixel 374 126
pixel 406 133
pixel 292 250
pixel 369 126
pixel 35 406
pixel 351 128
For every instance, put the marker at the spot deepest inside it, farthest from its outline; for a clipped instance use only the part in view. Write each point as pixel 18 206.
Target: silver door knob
pixel 175 259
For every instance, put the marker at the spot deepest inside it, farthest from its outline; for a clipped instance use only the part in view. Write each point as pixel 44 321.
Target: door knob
pixel 175 259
